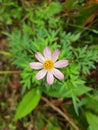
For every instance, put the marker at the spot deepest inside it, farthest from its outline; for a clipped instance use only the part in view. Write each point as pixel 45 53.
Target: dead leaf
pixel 91 18
pixel 57 102
pixel 90 2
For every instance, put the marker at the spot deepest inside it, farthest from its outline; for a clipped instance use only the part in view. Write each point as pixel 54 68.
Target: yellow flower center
pixel 48 64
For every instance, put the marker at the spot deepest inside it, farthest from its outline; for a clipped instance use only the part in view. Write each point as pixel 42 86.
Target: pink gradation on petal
pixel 55 55
pixel 39 57
pixel 50 77
pixel 61 63
pixel 47 53
pixel 58 74
pixel 36 65
pixel 41 74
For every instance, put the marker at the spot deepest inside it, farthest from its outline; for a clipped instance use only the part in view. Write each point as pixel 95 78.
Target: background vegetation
pixel 27 26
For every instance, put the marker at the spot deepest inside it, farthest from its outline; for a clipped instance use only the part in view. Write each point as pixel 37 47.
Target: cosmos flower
pixel 48 65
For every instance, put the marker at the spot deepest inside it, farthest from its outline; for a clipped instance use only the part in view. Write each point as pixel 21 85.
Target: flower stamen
pixel 48 64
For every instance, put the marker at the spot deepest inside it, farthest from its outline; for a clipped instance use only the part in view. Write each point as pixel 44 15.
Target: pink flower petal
pixel 50 77
pixel 36 65
pixel 58 74
pixel 55 55
pixel 47 53
pixel 39 57
pixel 61 63
pixel 41 74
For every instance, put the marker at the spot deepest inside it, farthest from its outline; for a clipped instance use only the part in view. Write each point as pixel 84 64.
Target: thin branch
pixel 62 114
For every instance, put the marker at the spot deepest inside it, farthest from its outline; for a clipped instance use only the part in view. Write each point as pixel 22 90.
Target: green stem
pixel 5 53
pixel 10 72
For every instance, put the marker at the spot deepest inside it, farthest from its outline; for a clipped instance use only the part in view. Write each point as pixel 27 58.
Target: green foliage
pixel 44 26
pixel 40 120
pixel 85 58
pixel 28 103
pixel 46 121
pixel 53 124
pixel 71 4
pixel 66 90
pixel 92 120
pixel 8 12
pixel 92 104
pixel 52 9
pixel 86 13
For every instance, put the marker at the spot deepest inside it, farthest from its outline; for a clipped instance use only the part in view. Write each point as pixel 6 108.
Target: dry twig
pixel 61 113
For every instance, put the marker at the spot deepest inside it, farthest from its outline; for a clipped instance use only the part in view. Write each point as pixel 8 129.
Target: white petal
pixel 58 74
pixel 61 63
pixel 41 74
pixel 36 65
pixel 50 77
pixel 55 55
pixel 47 53
pixel 39 57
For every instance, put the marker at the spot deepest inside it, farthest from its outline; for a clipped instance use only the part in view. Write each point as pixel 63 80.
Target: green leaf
pixel 92 120
pixel 52 9
pixel 75 103
pixel 28 103
pixel 92 104
pixel 78 91
pixel 74 37
pixel 65 90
